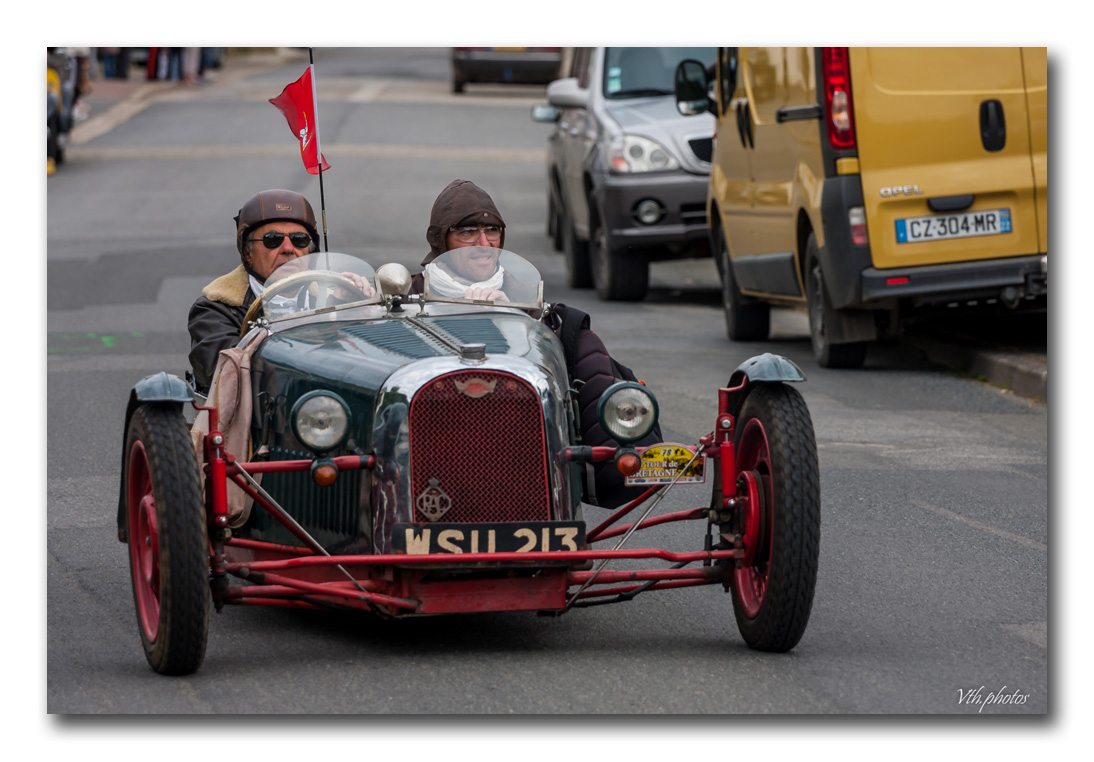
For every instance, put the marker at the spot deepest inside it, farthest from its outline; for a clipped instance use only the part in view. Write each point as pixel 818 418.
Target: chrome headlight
pixel 631 153
pixel 320 420
pixel 627 411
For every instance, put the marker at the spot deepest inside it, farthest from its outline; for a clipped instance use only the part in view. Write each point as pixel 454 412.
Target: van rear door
pixel 946 153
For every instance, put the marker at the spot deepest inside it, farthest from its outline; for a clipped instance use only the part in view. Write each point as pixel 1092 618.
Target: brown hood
pixel 461 202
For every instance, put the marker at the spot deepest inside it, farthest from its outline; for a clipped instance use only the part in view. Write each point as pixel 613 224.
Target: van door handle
pixel 798 113
pixel 741 124
pixel 993 126
pixel 950 203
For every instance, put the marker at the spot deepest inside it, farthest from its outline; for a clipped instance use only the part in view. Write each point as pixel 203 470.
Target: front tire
pixel 778 474
pixel 576 253
pixel 746 319
pixel 554 221
pixel 168 540
pixel 821 315
pixel 618 278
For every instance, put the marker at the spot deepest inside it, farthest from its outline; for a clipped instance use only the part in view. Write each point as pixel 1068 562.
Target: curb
pixel 1023 374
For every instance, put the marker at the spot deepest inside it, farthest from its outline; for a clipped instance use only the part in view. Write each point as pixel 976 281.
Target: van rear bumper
pixel 958 281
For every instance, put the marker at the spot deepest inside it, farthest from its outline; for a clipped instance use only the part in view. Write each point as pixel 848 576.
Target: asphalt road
pixel 935 533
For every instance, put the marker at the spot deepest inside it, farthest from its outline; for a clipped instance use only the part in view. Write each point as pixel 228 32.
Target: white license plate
pixel 940 227
pixel 499 537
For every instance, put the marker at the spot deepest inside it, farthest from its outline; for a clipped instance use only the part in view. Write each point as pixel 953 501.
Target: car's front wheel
pixel 746 319
pixel 576 253
pixel 168 540
pixel 554 220
pixel 778 517
pixel 618 277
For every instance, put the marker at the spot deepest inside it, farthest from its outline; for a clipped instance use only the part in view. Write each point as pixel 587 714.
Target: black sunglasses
pixel 273 240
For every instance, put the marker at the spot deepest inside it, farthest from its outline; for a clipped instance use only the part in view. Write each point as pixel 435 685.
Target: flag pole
pixel 319 151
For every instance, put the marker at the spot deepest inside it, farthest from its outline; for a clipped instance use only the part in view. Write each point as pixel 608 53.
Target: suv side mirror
pixel 566 93
pixel 692 88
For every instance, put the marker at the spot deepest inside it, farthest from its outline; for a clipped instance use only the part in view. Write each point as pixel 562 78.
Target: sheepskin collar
pixel 230 289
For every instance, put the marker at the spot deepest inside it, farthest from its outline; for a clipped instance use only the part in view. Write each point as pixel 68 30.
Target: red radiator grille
pixel 484 447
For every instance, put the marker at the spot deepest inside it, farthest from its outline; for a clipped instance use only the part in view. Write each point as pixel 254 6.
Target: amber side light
pixel 324 474
pixel 628 463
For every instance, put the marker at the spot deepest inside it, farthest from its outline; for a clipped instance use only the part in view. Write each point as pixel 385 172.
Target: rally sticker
pixel 663 463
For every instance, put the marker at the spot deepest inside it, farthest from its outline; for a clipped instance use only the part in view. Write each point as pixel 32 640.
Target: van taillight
pixel 836 72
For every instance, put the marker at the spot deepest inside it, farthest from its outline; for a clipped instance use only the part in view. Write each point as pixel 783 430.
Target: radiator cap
pixel 473 353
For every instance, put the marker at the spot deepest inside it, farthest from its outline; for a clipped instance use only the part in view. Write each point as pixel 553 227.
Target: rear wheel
pixel 168 540
pixel 821 315
pixel 779 518
pixel 576 252
pixel 746 319
pixel 457 85
pixel 618 278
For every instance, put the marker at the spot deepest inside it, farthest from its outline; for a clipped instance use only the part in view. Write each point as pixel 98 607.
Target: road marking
pixel 978 525
pixel 1035 632
pixel 333 151
pixel 84 342
pixel 369 91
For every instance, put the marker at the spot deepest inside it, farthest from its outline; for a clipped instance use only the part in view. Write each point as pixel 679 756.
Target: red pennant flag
pixel 297 103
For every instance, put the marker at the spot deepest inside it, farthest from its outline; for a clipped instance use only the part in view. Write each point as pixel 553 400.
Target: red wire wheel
pixel 168 539
pixel 144 546
pixel 750 576
pixel 778 517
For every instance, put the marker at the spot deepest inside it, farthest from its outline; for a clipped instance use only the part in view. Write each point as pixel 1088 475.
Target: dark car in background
pixel 528 66
pixel 627 175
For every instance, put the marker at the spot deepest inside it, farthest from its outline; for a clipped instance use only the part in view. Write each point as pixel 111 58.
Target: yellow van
pixel 868 183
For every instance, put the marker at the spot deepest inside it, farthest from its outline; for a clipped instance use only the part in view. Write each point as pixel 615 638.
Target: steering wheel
pixel 299 280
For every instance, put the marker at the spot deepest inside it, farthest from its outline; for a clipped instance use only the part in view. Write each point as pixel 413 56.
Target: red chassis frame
pixel 308 577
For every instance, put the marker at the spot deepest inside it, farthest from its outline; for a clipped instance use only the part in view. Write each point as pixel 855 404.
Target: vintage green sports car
pixel 368 448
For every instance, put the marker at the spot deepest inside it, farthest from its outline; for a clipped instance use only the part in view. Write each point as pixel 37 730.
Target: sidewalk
pixel 113 101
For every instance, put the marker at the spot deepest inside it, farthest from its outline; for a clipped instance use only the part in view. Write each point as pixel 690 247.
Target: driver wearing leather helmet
pixel 272 228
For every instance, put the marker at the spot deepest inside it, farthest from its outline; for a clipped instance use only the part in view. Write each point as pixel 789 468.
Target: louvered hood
pixel 354 359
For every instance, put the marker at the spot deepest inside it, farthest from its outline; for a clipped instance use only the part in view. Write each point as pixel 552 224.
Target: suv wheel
pixel 576 252
pixel 618 278
pixel 821 314
pixel 746 319
pixel 554 221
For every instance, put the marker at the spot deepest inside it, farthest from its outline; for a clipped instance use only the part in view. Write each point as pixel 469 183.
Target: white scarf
pixel 279 304
pixel 444 284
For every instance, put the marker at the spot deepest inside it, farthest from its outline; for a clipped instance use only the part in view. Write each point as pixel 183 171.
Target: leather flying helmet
pixel 274 206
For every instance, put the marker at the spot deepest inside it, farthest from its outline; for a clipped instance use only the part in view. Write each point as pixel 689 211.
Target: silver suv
pixel 627 174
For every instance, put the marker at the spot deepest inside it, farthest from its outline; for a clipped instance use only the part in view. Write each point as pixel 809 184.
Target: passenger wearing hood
pixel 464 215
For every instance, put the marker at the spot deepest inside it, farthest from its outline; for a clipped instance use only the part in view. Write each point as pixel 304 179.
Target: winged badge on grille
pixel 475 387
